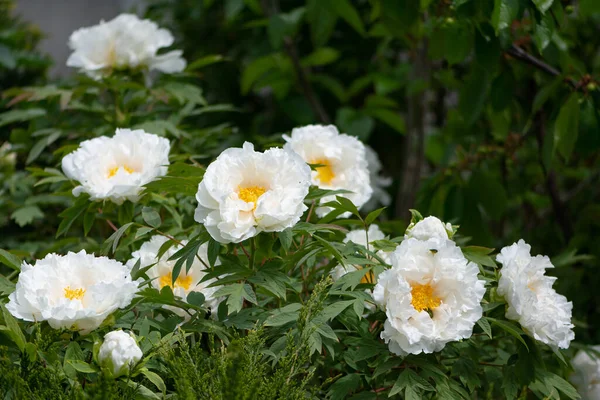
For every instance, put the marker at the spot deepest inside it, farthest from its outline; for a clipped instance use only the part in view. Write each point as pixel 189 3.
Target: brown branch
pixel 292 52
pixel 520 54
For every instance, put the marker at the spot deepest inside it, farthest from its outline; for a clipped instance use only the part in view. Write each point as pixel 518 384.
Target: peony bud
pixel 428 228
pixel 119 352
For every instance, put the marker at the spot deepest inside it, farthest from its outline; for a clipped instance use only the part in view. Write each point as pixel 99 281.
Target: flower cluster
pixel 543 313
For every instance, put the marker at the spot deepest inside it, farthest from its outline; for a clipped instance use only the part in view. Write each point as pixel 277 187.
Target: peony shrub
pixel 189 263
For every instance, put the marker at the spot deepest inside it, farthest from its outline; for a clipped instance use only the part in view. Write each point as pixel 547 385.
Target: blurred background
pixel 484 113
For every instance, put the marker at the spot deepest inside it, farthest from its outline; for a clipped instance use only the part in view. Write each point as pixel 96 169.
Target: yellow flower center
pixel 74 294
pixel 423 298
pixel 325 173
pixel 251 194
pixel 182 281
pixel 113 171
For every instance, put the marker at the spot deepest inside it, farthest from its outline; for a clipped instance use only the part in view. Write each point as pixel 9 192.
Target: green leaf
pixel 7 58
pixel 566 126
pixel 345 10
pixel 256 69
pixel 333 310
pixel 113 241
pixel 284 315
pixel 473 94
pixel 11 329
pixel 195 298
pixel 13 116
pixel 205 61
pixel 479 255
pixel 552 380
pixel 342 387
pixel 286 238
pixel 41 144
pixel 25 215
pixel 543 5
pixel 155 379
pixel 151 217
pixel 82 366
pixel 284 25
pixel 10 260
pixel 510 328
pixel 389 117
pixel 322 21
pixel 321 56
pixel 505 12
pixel 410 379
pixel 214 248
pixel 543 32
pixel 485 326
pixel 71 214
pixel 373 215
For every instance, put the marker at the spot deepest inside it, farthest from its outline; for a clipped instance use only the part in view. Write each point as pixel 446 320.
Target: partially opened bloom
pixel 342 159
pixel 245 192
pixel 187 281
pixel 119 352
pixel 379 182
pixel 116 168
pixel 429 227
pixel 586 376
pixel 544 314
pixel 431 296
pixel 76 291
pixel 123 42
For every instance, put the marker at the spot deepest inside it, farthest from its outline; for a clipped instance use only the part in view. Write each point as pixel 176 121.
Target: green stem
pixel 252 252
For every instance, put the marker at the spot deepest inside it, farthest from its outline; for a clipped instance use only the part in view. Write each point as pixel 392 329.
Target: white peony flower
pixel 429 227
pixel 245 192
pixel 586 377
pixel 379 183
pixel 119 352
pixel 343 159
pixel 76 291
pixel 124 42
pixel 431 296
pixel 161 273
pixel 116 168
pixel 544 314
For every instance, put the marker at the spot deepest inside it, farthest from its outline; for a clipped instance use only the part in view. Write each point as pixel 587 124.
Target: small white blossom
pixel 116 168
pixel 544 314
pixel 429 227
pixel 123 42
pixel 586 377
pixel 188 281
pixel 431 296
pixel 343 160
pixel 119 352
pixel 379 183
pixel 245 192
pixel 76 291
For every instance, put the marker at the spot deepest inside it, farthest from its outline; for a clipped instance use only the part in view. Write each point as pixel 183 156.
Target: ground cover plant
pixel 208 220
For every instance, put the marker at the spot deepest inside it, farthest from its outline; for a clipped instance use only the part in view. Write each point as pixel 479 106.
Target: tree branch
pixel 292 51
pixel 520 54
